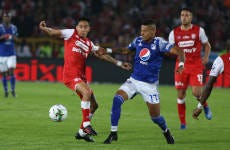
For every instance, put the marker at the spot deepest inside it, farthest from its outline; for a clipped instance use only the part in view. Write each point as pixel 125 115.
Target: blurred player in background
pixel 149 51
pixel 190 38
pixel 8 35
pixel 221 65
pixel 77 47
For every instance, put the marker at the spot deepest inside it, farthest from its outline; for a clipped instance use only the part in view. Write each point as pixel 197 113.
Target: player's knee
pixel 118 100
pixel 4 74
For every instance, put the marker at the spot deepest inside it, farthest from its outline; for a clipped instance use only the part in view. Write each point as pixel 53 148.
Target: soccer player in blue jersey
pixel 8 34
pixel 149 51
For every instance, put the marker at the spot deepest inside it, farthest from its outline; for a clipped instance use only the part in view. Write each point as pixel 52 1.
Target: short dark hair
pixel 83 19
pixel 148 22
pixel 186 9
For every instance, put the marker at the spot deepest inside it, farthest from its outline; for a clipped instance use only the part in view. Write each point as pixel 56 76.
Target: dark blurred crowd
pixel 116 22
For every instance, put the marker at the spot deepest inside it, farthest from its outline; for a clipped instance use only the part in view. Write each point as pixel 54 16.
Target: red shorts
pixel 192 77
pixel 71 83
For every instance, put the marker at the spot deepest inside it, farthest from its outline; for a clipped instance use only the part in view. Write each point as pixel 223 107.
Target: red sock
pixel 181 112
pixel 85 108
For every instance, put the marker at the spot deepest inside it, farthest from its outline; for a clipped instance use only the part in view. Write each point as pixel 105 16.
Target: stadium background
pixel 114 24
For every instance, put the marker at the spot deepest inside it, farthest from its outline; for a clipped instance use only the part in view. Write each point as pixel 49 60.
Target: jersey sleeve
pixel 67 33
pixel 171 37
pixel 94 47
pixel 164 45
pixel 15 31
pixel 132 45
pixel 217 67
pixel 202 35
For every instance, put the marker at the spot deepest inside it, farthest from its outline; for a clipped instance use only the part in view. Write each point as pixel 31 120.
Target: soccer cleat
pixel 208 113
pixel 112 137
pixel 89 130
pixel 6 94
pixel 169 138
pixel 183 126
pixel 13 94
pixel 87 137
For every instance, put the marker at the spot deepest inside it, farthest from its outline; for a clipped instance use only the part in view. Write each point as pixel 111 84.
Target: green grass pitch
pixel 24 122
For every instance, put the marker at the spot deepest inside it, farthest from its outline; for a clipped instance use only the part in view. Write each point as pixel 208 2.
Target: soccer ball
pixel 58 113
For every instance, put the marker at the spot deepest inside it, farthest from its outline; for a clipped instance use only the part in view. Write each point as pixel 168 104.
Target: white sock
pixel 81 132
pixel 114 128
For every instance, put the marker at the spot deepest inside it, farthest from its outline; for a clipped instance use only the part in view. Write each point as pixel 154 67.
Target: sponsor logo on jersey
pixel 82 46
pixel 190 50
pixel 186 43
pixel 186 37
pixel 193 36
pixel 144 54
pixel 179 37
pixel 78 50
pixel 179 84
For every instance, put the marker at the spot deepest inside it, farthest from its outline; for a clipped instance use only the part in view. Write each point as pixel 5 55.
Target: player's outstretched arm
pixel 124 51
pixel 106 57
pixel 207 50
pixel 49 31
pixel 181 57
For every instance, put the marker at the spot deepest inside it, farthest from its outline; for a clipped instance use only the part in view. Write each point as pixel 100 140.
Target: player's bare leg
pixel 181 107
pixel 93 106
pixel 86 129
pixel 118 100
pixel 154 111
pixel 196 91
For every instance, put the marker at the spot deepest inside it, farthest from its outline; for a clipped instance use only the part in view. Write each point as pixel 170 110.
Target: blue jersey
pixel 7 46
pixel 148 58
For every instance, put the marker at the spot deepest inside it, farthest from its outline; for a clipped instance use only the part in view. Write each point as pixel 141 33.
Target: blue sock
pixel 116 109
pixel 12 82
pixel 160 121
pixel 4 83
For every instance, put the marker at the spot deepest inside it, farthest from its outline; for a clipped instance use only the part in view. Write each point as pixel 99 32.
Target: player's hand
pixel 196 112
pixel 180 69
pixel 100 51
pixel 42 25
pixel 8 36
pixel 126 66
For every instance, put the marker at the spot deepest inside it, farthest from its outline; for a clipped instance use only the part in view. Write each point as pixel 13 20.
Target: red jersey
pixel 191 42
pixel 226 72
pixel 76 50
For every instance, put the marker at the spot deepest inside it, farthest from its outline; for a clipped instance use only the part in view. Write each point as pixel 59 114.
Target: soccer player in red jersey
pixel 190 38
pixel 77 47
pixel 221 65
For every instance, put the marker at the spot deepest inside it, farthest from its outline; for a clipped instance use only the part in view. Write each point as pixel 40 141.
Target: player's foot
pixel 89 130
pixel 6 94
pixel 86 137
pixel 169 138
pixel 183 126
pixel 112 137
pixel 208 113
pixel 13 94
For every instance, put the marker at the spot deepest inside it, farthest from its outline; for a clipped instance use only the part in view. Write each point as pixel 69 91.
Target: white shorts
pixel 148 91
pixel 7 62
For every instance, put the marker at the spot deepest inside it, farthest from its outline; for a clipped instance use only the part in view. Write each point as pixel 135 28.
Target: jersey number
pixel 200 78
